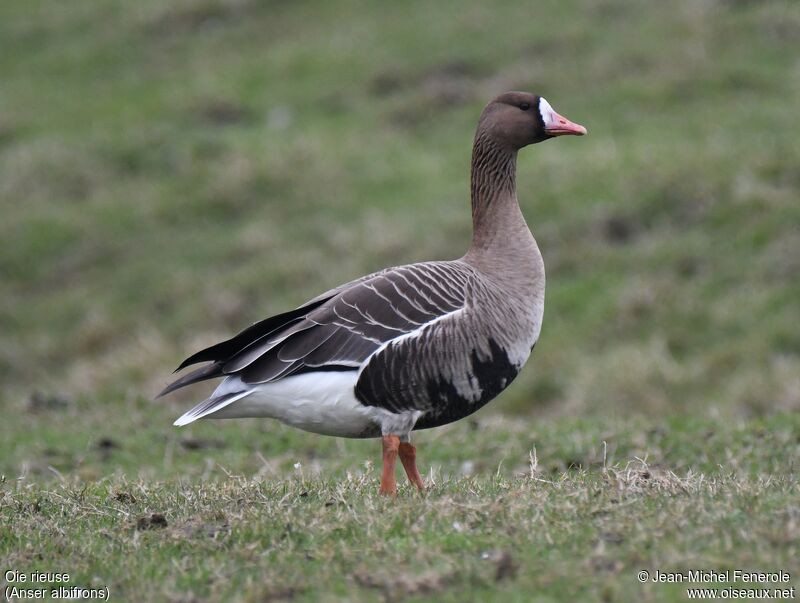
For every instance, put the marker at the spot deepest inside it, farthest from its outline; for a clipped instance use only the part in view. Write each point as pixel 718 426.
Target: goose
pixel 410 347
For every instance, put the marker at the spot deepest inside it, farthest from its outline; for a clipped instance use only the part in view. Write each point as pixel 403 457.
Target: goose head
pixel 517 119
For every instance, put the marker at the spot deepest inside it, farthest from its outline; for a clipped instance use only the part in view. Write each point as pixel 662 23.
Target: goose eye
pixel 525 106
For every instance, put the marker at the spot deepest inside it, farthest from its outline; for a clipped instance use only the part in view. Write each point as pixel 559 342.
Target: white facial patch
pixel 547 113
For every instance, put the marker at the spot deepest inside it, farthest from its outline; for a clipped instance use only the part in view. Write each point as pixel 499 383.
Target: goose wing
pixel 340 329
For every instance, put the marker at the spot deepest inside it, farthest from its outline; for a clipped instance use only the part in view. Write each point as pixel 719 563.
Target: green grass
pixel 171 172
pixel 549 514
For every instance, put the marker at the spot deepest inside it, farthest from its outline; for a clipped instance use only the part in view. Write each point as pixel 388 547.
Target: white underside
pixel 320 402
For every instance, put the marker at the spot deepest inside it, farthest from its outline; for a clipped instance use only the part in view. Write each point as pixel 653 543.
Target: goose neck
pixel 496 217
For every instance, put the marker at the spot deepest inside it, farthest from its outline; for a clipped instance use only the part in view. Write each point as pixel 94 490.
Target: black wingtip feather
pixel 226 349
pixel 194 359
pixel 205 372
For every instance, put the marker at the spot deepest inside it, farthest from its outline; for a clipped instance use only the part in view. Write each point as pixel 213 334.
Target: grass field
pixel 172 171
pixel 569 512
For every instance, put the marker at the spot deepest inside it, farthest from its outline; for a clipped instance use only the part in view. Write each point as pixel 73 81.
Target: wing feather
pixel 340 329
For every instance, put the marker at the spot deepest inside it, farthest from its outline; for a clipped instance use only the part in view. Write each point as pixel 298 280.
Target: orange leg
pixel 391 444
pixel 408 455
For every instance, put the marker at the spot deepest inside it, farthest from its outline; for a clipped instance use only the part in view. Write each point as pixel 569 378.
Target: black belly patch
pixel 491 376
pixel 399 383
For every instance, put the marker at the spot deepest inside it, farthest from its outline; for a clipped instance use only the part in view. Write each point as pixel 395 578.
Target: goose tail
pixel 210 406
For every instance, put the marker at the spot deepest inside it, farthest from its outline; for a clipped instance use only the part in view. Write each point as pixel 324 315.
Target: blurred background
pixel 171 172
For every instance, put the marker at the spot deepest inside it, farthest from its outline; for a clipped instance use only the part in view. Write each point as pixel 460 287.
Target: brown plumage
pixel 410 347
